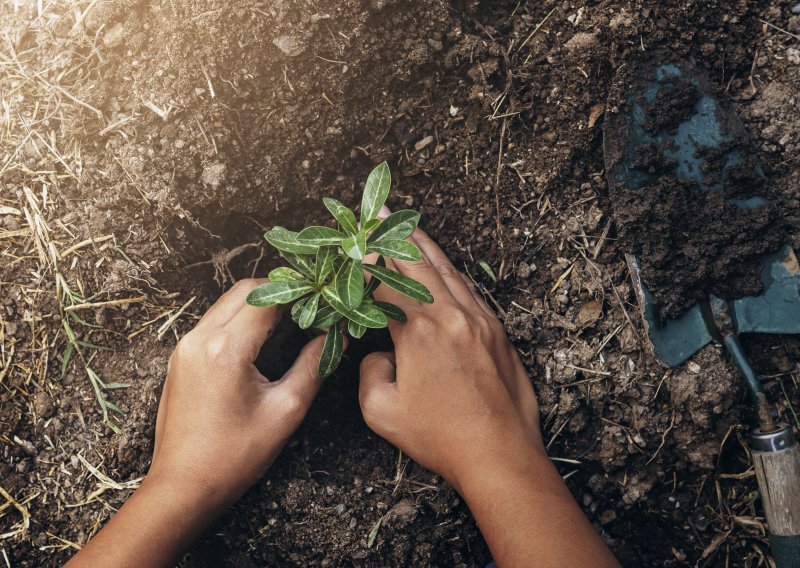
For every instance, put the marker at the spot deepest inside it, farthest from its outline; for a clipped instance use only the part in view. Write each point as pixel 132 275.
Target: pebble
pixel 796 8
pixel 339 509
pixel 289 45
pixel 424 143
pixel 214 174
pixel 114 36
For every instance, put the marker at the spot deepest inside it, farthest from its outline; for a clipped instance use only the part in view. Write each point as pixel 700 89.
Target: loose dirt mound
pixel 150 143
pixel 684 216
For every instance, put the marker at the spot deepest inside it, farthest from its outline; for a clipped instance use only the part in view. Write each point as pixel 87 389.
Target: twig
pixel 501 271
pixel 663 438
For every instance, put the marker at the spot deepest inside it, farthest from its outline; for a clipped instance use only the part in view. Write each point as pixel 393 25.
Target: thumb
pixel 378 374
pixel 301 382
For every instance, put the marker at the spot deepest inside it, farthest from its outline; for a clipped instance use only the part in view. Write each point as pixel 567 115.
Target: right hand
pixel 454 395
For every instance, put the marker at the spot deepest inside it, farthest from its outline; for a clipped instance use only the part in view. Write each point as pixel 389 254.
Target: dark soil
pixel 692 236
pixel 215 120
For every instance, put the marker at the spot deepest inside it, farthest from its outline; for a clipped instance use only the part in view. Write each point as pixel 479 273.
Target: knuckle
pixel 370 406
pixel 187 346
pixel 292 405
pixel 458 321
pixel 220 347
pixel 447 270
pixel 421 326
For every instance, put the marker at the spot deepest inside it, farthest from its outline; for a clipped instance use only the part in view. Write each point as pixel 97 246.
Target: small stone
pixel 114 36
pixel 180 143
pixel 424 143
pixel 74 461
pixel 330 491
pixel 590 312
pixel 435 44
pixel 694 368
pixel 581 41
pixel 523 270
pixel 402 514
pixel 43 405
pixel 796 8
pixel 289 45
pixel 339 509
pixel 607 517
pixel 214 174
pixel 26 446
pixel 353 523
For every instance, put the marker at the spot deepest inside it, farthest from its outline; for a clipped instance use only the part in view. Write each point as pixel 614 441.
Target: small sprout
pixel 488 270
pixel 327 279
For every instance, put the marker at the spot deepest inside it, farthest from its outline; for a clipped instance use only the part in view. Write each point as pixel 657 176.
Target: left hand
pixel 220 425
pixel 220 422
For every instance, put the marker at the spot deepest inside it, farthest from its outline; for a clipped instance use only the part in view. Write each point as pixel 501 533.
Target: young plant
pixel 327 280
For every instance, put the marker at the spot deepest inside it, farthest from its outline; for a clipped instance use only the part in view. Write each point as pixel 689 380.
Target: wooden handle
pixel 776 457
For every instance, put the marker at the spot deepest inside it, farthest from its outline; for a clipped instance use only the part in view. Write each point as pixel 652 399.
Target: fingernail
pixel 384 212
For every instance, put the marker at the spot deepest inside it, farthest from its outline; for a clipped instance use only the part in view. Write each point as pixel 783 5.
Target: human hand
pixel 454 396
pixel 220 422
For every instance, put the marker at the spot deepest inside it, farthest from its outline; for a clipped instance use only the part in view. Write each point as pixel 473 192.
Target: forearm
pixel 526 513
pixel 153 528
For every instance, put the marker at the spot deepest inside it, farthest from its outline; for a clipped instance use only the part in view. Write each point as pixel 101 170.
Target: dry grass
pixel 52 301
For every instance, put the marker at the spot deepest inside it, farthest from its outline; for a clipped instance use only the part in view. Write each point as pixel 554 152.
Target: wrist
pixel 505 467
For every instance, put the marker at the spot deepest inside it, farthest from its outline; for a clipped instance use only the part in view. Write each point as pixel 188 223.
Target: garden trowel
pixel 702 131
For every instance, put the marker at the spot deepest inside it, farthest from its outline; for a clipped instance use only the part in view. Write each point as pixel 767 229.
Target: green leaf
pixel 350 284
pixel 67 358
pixel 273 293
pixel 326 317
pixel 374 282
pixel 375 192
pixel 324 264
pixel 330 294
pixel 297 309
pixel 488 270
pixel 301 262
pixel 331 352
pixel 320 236
pixel 286 241
pixel 401 250
pixel 402 284
pixel 355 330
pixel 396 226
pixel 309 312
pixel 390 310
pixel 356 246
pixel 371 224
pixel 284 274
pixel 368 316
pixel 345 217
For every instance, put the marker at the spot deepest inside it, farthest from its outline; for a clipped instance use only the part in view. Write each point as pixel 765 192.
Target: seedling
pixel 327 281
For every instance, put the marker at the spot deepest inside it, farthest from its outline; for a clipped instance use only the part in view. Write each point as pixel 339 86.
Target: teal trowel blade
pixel 777 309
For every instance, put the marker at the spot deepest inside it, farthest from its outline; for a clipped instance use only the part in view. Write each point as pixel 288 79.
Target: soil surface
pixel 146 144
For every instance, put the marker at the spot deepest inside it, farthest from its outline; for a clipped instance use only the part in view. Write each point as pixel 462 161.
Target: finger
pixel 424 272
pixel 376 388
pixel 229 303
pixel 252 326
pixel 386 294
pixel 479 299
pixel 301 383
pixel 449 274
